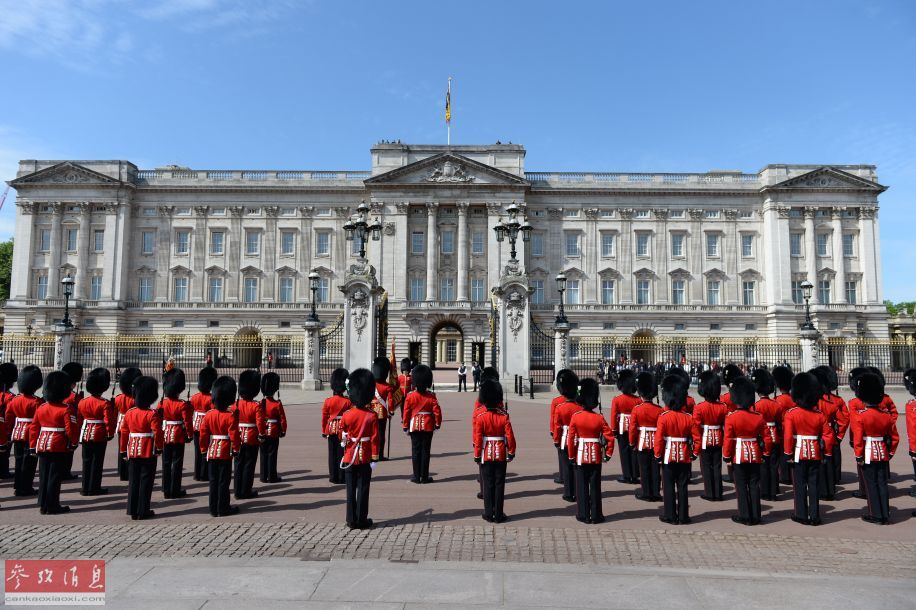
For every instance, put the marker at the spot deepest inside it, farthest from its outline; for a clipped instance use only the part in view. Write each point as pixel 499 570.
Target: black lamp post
pixel 314 284
pixel 561 288
pixel 807 287
pixel 512 228
pixel 67 283
pixel 360 226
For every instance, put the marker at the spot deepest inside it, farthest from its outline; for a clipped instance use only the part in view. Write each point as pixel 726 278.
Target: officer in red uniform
pixel 804 430
pixel 643 424
pixel 494 447
pixel 98 418
pixel 141 438
pixel 568 386
pixel 252 431
pixel 219 441
pixel 876 441
pixel 422 416
pixel 359 436
pixel 783 376
pixel 746 444
pixel 685 377
pixel 276 427
pixel 621 410
pixel 404 380
pixel 487 373
pixel 589 442
pixel 201 402
pixel 8 375
pixel 909 381
pixel 673 447
pixel 52 435
pixel 19 415
pixel 123 402
pixel 709 416
pixel 383 403
pixel 772 413
pixel 75 371
pixel 834 409
pixel 177 429
pixel 730 373
pixel 331 413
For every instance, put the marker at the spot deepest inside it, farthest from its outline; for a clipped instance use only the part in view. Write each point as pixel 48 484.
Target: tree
pixel 905 307
pixel 6 268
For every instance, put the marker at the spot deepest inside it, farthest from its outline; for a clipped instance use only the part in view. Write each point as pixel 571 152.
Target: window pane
pixel 748 293
pixel 478 290
pixel 797 296
pixel 572 244
pixel 251 289
pixel 823 289
pixel 848 245
pixel 851 292
pixel 642 244
pixel 216 289
pixel 712 245
pixel 747 242
pixel 712 292
pixel 607 292
pixel 447 289
pixel 323 244
pixel 795 241
pixel 287 243
pixel 286 290
pixel 216 242
pixel 42 292
pixel 677 244
pixel 181 289
pixel 252 242
pixel 324 290
pixel 95 288
pixel 148 239
pixel 822 244
pixel 607 244
pixel 417 243
pixel 677 292
pixel 145 293
pixel 99 239
pixel 448 242
pixel 417 289
pixel 477 243
pixel 537 297
pixel 71 240
pixel 537 244
pixel 182 242
pixel 642 292
pixel 572 292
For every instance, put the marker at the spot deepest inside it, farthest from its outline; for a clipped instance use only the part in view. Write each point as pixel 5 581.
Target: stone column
pixel 731 252
pixel 811 253
pixel 199 252
pixel 494 249
pixel 269 254
pixel 560 347
pixel 83 276
pixel 809 349
pixel 63 345
pixel 23 252
pixel 591 250
pixel 116 255
pixel 303 290
pixel 870 255
pixel 696 258
pixel 661 256
pixel 432 253
pixel 233 245
pixel 625 256
pixel 54 259
pixel 311 372
pixel 839 261
pixel 771 249
pixel 361 293
pixel 463 250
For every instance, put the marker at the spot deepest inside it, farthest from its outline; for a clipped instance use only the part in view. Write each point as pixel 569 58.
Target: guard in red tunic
pixel 252 431
pixel 404 380
pixel 487 373
pixel 8 375
pixel 805 429
pixel 141 439
pixel 98 418
pixel 876 442
pixel 359 436
pixel 589 442
pixel 772 414
pixel 52 436
pixel 643 424
pixel 568 386
pixel 75 371
pixel 834 409
pixel 276 427
pixel 422 416
pixel 219 442
pixel 909 381
pixel 383 403
pixel 177 430
pixel 730 373
pixel 685 377
pixel 783 376
pixel 19 415
pixel 123 402
pixel 747 443
pixel 494 447
pixel 673 447
pixel 331 413
pixel 709 416
pixel 201 402
pixel 621 410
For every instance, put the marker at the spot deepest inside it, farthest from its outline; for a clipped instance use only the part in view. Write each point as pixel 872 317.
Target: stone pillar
pixel 811 253
pixel 54 262
pixel 870 255
pixel 463 250
pixel 63 345
pixel 696 258
pixel 269 254
pixel 361 294
pixel 164 254
pixel 22 253
pixel 731 253
pixel 560 347
pixel 809 349
pixel 311 370
pixel 839 261
pixel 591 251
pixel 432 253
pixel 83 276
pixel 512 294
pixel 625 256
pixel 116 255
pixel 234 242
pixel 199 247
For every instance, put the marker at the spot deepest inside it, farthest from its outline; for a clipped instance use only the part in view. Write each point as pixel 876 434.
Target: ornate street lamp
pixel 67 283
pixel 561 288
pixel 807 287
pixel 512 228
pixel 359 226
pixel 314 284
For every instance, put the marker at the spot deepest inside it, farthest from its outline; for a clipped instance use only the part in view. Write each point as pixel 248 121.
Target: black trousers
pixel 876 489
pixel 93 460
pixel 52 468
pixel 711 470
pixel 68 473
pixel 677 477
pixel 804 484
pixel 25 465
pixel 826 479
pixel 649 474
pixel 172 469
pixel 493 476
pixel 567 473
pixel 269 450
pixel 358 478
pixel 382 433
pixel 5 462
pixel 244 470
pixel 628 462
pixel 786 470
pixel 476 383
pixel 462 383
pixel 769 475
pixel 561 464
pixel 141 472
pixel 219 472
pixel 747 489
pixel 837 459
pixel 588 492
pixel 335 454
pixel 201 468
pixel 420 446
pixel 122 462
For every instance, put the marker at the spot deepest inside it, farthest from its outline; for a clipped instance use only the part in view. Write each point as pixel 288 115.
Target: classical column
pixel 23 252
pixel 118 244
pixel 625 256
pixel 398 282
pixel 811 252
pixel 311 377
pixel 432 252
pixel 839 261
pixel 54 259
pixel 660 264
pixel 233 245
pixel 305 253
pixel 731 251
pixel 869 255
pixel 269 253
pixel 199 252
pixel 697 257
pixel 164 253
pixel 462 250
pixel 771 249
pixel 591 250
pixel 83 276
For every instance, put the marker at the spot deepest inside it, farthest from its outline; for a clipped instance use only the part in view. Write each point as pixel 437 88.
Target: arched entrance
pixel 643 346
pixel 446 345
pixel 247 348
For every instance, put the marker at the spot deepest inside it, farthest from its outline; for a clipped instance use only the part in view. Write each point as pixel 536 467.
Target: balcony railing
pixel 599 179
pixel 653 308
pixel 452 305
pixel 172 176
pixel 228 305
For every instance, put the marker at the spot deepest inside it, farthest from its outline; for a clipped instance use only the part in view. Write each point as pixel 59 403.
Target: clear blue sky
pixel 614 86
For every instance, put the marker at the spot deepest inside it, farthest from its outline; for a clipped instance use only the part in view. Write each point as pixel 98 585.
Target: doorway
pixel 446 346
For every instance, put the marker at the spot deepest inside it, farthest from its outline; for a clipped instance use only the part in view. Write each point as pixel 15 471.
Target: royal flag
pixel 448 102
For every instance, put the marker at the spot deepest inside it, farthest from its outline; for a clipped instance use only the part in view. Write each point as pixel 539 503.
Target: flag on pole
pixel 448 102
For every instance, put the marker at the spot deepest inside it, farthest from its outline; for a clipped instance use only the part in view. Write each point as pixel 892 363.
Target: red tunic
pixel 726 399
pixel 887 404
pixel 621 409
pixel 837 414
pixel 5 399
pixel 421 412
pixel 331 411
pixel 556 402
pixel 252 422
pixel 140 435
pixel 201 403
pixel 710 418
pixel 673 438
pixel 177 426
pixel 53 429
pixel 406 384
pixel 583 441
pixel 911 424
pixel 276 418
pixel 19 414
pixel 785 401
pixel 643 424
pixel 219 434
pixel 494 440
pixel 359 436
pixel 873 429
pixel 803 431
pixel 382 403
pixel 691 405
pixel 745 434
pixel 772 414
pixel 565 411
pixel 98 420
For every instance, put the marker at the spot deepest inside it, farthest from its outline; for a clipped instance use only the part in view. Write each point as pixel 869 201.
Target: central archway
pixel 446 345
pixel 643 346
pixel 247 349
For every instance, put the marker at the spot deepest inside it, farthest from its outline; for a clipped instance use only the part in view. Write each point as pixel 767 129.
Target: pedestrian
pixel 909 381
pixel 52 435
pixel 462 378
pixel 202 402
pixel 783 376
pixel 673 447
pixel 75 372
pixel 805 430
pixel 331 413
pixel 422 416
pixel 747 443
pixel 772 414
pixel 834 409
pixel 709 416
pixel 276 427
pixel 643 424
pixel 383 403
pixel 494 447
pixel 589 442
pixel 177 429
pixel 621 411
pixel 219 441
pixel 567 383
pixel 876 442
pixel 8 374
pixel 19 414
pixel 99 419
pixel 359 436
pixel 252 432
pixel 141 439
pixel 475 374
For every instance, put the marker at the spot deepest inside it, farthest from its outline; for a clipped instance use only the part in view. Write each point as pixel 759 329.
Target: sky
pixel 585 86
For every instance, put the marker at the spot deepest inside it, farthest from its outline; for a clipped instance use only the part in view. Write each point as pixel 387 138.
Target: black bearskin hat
pixel 870 389
pixel 489 372
pixel 57 387
pixel 249 384
pixel 626 381
pixel 764 382
pixel 205 379
pixel 422 377
pixel 646 386
pixel 589 394
pixel 146 391
pixel 567 383
pixel 676 370
pixel 270 383
pixel 173 383
pixel 74 370
pixel 381 368
pixel 30 379
pixel 782 376
pixel 223 392
pixel 98 381
pixel 854 375
pixel 339 381
pixel 674 392
pixel 490 394
pixel 730 373
pixel 876 371
pixel 8 375
pixel 830 379
pixel 806 390
pixel 405 365
pixel 126 381
pixel 743 393
pixel 909 380
pixel 709 386
pixel 362 387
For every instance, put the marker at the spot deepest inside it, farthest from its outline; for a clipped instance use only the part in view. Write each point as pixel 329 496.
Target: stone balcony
pixel 250 178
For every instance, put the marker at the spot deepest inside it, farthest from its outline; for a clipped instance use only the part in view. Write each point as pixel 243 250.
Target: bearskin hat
pixel 831 380
pixel 806 390
pixel 8 375
pixel 173 383
pixel 676 370
pixel 674 392
pixel 743 393
pixel 589 394
pixel 909 380
pixel 782 375
pixel 567 383
pixel 422 377
pixel 490 394
pixel 710 386
pixel 730 373
pixel 854 375
pixel 57 387
pixel 646 385
pixel 362 387
pixel 270 384
pixel 876 371
pixel 30 380
pixel 339 381
pixel 870 389
pixel 205 379
pixel 626 381
pixel 489 372
pixel 381 368
pixel 764 382
pixel 223 392
pixel 405 365
pixel 146 391
pixel 75 370
pixel 98 381
pixel 249 384
pixel 126 381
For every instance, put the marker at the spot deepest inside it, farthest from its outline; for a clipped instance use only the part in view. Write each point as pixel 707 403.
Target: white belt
pixel 43 429
pixel 364 439
pixel 247 425
pixel 869 444
pixel 273 421
pixel 706 430
pixel 219 437
pixel 494 439
pixel 771 424
pixel 624 423
pixel 23 419
pixel 93 421
pixel 738 447
pixel 563 436
pixel 172 422
pixel 669 440
pixel 141 435
pixel 642 435
pixel 581 443
pixel 800 437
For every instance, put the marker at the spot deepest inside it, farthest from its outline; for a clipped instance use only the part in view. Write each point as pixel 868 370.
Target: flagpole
pixel 448 123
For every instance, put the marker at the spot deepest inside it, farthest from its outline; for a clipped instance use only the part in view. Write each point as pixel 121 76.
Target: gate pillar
pixel 361 295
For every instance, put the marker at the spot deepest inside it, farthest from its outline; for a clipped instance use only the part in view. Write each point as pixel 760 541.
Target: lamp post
pixel 561 288
pixel 67 283
pixel 314 285
pixel 807 287
pixel 360 226
pixel 511 228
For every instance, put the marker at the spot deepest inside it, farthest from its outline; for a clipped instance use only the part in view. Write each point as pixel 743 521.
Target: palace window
pixel 180 289
pixel 417 242
pixel 568 213
pixel 712 292
pixel 448 242
pixel 572 292
pixel 98 239
pixel 642 244
pixel 478 290
pixel 145 290
pixel 798 296
pixel 287 243
pixel 676 214
pixel 322 243
pixel 477 243
pixel 852 292
pixel 823 240
pixel 641 214
pixel 678 292
pixel 44 240
pixel 447 289
pixel 607 292
pixel 712 245
pixel 677 245
pixel 252 243
pixel 607 244
pixel 537 296
pixel 287 285
pixel 795 244
pixel 642 292
pixel 355 245
pixel 823 291
pixel 605 213
pixel 324 290
pixel 572 244
pixel 712 213
pixel 147 242
pixel 95 288
pixel 849 242
pixel 71 239
pixel 537 244
pixel 215 290
pixel 748 292
pixel 41 287
pixel 746 214
pixel 217 241
pixel 747 246
pixel 182 242
pixel 417 289
pixel 251 290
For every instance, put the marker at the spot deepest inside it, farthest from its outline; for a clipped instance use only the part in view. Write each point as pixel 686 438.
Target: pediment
pixel 286 270
pixel 215 270
pixel 715 273
pixel 828 179
pixel 323 271
pixel 537 271
pixel 609 272
pixel 680 272
pixel 446 169
pixel 826 272
pixel 574 273
pixel 751 274
pixel 145 269
pixel 180 270
pixel 645 273
pixel 250 270
pixel 66 173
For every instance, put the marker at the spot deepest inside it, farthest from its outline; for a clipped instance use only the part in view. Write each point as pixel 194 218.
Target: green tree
pixel 904 307
pixel 6 268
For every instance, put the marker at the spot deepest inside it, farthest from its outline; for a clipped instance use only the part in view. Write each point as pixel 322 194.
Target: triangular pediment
pixel 609 272
pixel 715 274
pixel 180 270
pixel 446 169
pixel 286 270
pixel 574 273
pixel 67 173
pixel 680 272
pixel 828 179
pixel 144 269
pixel 215 270
pixel 250 270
